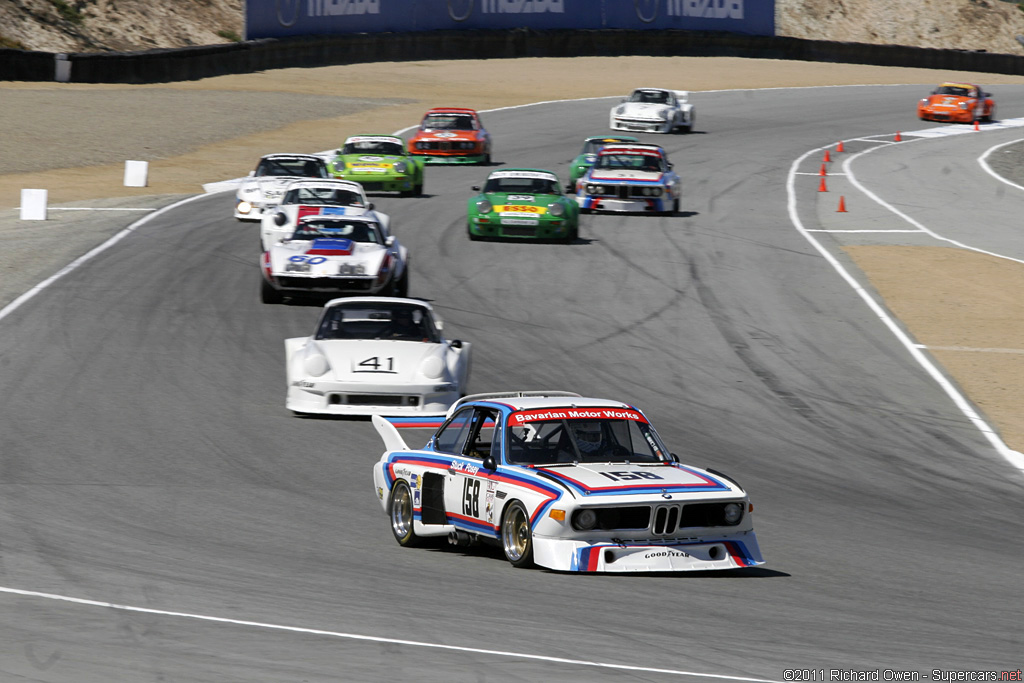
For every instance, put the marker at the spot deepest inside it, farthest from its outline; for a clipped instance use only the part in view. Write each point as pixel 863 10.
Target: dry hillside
pixel 127 25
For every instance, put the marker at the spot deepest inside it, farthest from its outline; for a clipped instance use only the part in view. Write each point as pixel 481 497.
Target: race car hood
pixel 432 134
pixel 324 254
pixel 617 478
pixel 371 163
pixel 644 110
pixel 268 188
pixel 598 174
pixel 503 200
pixel 382 361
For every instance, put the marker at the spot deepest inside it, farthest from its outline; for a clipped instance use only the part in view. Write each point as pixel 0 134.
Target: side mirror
pixel 251 174
pixel 389 241
pixel 369 206
pixel 674 457
pixel 280 218
pixel 337 152
pixel 490 463
pixel 670 165
pixel 475 188
pixel 456 344
pixel 623 100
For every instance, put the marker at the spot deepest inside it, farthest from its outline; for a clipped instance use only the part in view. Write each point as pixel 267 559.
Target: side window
pixel 482 434
pixel 453 435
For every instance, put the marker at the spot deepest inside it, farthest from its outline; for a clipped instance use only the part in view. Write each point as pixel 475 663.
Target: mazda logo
pixel 288 12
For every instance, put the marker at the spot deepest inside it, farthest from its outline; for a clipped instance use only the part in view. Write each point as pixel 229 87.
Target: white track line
pixel 377 639
pixel 1013 457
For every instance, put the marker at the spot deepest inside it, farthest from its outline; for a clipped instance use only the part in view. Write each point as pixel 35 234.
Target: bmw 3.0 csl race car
pixel 264 187
pixel 565 482
pixel 588 155
pixel 523 203
pixel 451 135
pixel 380 164
pixel 335 255
pixel 957 102
pixel 654 110
pixel 376 355
pixel 316 198
pixel 630 177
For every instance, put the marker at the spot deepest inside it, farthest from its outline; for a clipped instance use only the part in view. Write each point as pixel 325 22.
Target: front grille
pixel 519 230
pixel 371 186
pixel 668 519
pixel 373 400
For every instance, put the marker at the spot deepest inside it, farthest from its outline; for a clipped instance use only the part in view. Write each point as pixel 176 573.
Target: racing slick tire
pixel 268 294
pixel 401 287
pixel 516 536
pixel 675 206
pixel 991 116
pixel 400 513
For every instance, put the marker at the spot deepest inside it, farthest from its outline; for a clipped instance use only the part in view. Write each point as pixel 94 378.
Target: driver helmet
pixel 588 435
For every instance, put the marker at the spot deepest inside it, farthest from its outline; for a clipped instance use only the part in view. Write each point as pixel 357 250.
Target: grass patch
pixel 67 12
pixel 12 44
pixel 229 35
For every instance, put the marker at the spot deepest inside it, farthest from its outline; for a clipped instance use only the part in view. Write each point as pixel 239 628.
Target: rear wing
pixel 393 441
pixel 682 95
pixel 494 395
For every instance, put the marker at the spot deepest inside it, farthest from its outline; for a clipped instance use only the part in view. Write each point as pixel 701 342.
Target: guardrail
pixel 191 63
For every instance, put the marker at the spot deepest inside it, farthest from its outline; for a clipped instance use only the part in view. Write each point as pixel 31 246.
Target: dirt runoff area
pixel 73 139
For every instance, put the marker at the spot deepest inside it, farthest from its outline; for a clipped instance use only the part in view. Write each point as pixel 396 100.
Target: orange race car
pixel 957 102
pixel 451 135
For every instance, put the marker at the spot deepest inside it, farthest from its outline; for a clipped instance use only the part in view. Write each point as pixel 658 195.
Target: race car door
pixel 467 498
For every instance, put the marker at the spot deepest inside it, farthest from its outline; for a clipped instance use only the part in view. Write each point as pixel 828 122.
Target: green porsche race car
pixel 380 164
pixel 523 203
pixel 591 146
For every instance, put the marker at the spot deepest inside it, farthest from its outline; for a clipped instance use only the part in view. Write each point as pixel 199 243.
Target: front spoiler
pixel 734 551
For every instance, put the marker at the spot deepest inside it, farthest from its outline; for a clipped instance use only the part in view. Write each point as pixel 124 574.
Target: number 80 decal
pixel 311 260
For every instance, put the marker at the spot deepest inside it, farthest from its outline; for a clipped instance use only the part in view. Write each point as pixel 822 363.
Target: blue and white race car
pixel 304 198
pixel 630 177
pixel 565 482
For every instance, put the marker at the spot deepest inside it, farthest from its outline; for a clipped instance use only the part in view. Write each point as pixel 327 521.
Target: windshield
pixel 358 231
pixel 595 146
pixel 373 147
pixel 323 196
pixel 636 162
pixel 284 166
pixel 957 90
pixel 523 185
pixel 394 321
pixel 448 122
pixel 569 440
pixel 649 96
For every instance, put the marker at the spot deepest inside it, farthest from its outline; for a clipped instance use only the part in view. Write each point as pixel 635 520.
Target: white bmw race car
pixel 630 177
pixel 327 197
pixel 569 483
pixel 264 187
pixel 335 255
pixel 373 355
pixel 654 110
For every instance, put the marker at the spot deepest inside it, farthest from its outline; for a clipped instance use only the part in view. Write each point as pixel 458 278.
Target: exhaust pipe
pixel 457 538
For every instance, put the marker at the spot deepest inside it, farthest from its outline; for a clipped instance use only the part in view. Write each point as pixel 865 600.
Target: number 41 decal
pixel 376 364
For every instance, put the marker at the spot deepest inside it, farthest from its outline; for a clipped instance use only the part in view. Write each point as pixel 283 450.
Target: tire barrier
pixel 192 63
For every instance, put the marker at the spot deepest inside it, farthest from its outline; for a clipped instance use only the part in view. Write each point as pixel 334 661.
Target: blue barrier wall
pixel 290 18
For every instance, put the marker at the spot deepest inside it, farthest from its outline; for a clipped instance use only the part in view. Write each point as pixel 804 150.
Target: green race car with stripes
pixel 523 203
pixel 379 163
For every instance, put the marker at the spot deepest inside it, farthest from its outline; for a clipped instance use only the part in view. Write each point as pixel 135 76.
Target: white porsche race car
pixel 569 483
pixel 264 187
pixel 316 198
pixel 335 255
pixel 373 355
pixel 654 110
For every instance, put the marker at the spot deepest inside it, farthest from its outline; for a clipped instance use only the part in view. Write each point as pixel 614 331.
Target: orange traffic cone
pixel 842 205
pixel 898 137
pixel 827 158
pixel 976 126
pixel 821 187
pixel 839 147
pixel 823 171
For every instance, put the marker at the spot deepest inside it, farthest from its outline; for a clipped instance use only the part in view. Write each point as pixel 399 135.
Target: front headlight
pixel 619 110
pixel 400 167
pixel 663 115
pixel 963 105
pixel 483 206
pixel 656 191
pixel 733 513
pixel 244 207
pixel 556 209
pixel 352 269
pixel 316 364
pixel 432 367
pixel 584 520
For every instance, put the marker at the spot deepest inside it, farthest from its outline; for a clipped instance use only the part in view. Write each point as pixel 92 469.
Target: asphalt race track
pixel 164 518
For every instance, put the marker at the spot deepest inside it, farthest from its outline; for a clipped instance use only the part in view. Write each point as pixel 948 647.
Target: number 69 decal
pixel 311 260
